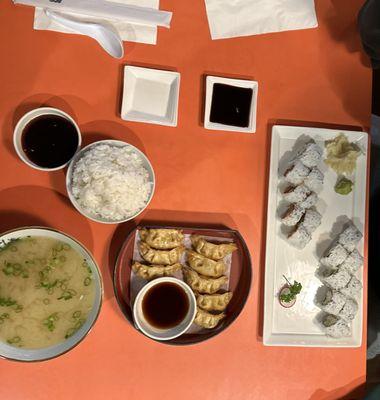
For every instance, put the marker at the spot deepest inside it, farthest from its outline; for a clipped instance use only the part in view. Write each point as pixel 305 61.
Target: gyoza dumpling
pixel 211 250
pixel 203 284
pixel 207 320
pixel 162 239
pixel 163 257
pixel 154 271
pixel 205 266
pixel 214 302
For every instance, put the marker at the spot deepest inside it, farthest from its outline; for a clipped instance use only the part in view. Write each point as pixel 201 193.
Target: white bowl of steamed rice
pixel 110 181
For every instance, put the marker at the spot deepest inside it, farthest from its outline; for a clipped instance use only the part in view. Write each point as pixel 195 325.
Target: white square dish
pixel 150 95
pixel 296 326
pixel 243 83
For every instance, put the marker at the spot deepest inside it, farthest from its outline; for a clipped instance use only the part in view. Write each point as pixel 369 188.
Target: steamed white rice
pixel 111 182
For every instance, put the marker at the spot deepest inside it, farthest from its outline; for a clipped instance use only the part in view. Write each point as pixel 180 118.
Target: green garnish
pixel 15 270
pixel 343 186
pixel 70 332
pixel 50 320
pixel 77 314
pixel 66 246
pixel 87 281
pixel 294 289
pixel 14 340
pixel 67 294
pixel 77 326
pixel 3 317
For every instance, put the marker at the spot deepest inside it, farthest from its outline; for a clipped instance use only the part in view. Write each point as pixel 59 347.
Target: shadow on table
pixel 341 394
pixel 35 205
pixel 343 28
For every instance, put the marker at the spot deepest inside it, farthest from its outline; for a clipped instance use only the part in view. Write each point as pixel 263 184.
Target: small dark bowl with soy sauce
pixel 47 139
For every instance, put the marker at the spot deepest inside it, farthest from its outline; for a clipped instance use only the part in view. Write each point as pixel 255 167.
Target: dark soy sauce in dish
pixel 165 305
pixel 49 141
pixel 231 105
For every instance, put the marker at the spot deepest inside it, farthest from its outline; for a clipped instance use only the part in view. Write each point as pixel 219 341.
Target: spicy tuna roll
pixel 293 214
pixel 333 302
pixel 299 238
pixel 352 288
pixel 353 262
pixel 310 155
pixel 336 279
pixel 310 201
pixel 350 237
pixel 349 310
pixel 311 220
pixel 335 327
pixel 314 181
pixel 335 256
pixel 296 194
pixel 296 173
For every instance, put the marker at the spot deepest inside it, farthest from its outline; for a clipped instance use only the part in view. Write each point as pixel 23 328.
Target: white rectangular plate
pixel 150 95
pixel 296 326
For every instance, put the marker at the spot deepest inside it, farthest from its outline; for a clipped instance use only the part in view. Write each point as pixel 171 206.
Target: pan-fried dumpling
pixel 162 239
pixel 214 302
pixel 207 320
pixel 163 257
pixel 211 250
pixel 204 265
pixel 203 284
pixel 154 271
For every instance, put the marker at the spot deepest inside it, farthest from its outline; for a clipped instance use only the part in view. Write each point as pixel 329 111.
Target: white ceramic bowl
pixel 164 334
pixel 20 354
pixel 117 143
pixel 21 124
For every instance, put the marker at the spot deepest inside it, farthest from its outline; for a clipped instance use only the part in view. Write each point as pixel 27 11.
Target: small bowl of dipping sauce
pixel 164 308
pixel 47 139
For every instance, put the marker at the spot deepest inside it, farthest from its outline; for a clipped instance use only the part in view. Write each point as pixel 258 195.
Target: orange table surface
pixel 316 75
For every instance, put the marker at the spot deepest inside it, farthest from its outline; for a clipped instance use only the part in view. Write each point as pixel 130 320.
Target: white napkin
pixel 232 18
pixel 127 31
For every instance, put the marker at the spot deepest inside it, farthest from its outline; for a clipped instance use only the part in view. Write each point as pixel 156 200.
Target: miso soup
pixel 46 292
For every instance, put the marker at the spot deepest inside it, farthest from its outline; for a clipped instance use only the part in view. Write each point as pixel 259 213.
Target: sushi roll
pixel 310 201
pixel 349 310
pixel 353 262
pixel 335 256
pixel 350 237
pixel 336 279
pixel 296 194
pixel 311 220
pixel 310 155
pixel 299 238
pixel 352 288
pixel 333 302
pixel 292 215
pixel 314 181
pixel 296 173
pixel 335 327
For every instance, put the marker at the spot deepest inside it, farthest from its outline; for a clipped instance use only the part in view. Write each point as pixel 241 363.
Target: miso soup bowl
pixel 170 333
pixel 47 353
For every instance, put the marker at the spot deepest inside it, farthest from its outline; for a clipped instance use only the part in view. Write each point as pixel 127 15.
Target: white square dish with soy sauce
pixel 230 104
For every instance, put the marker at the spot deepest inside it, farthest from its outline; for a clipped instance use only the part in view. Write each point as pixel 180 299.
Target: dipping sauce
pixel 231 105
pixel 165 305
pixel 49 141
